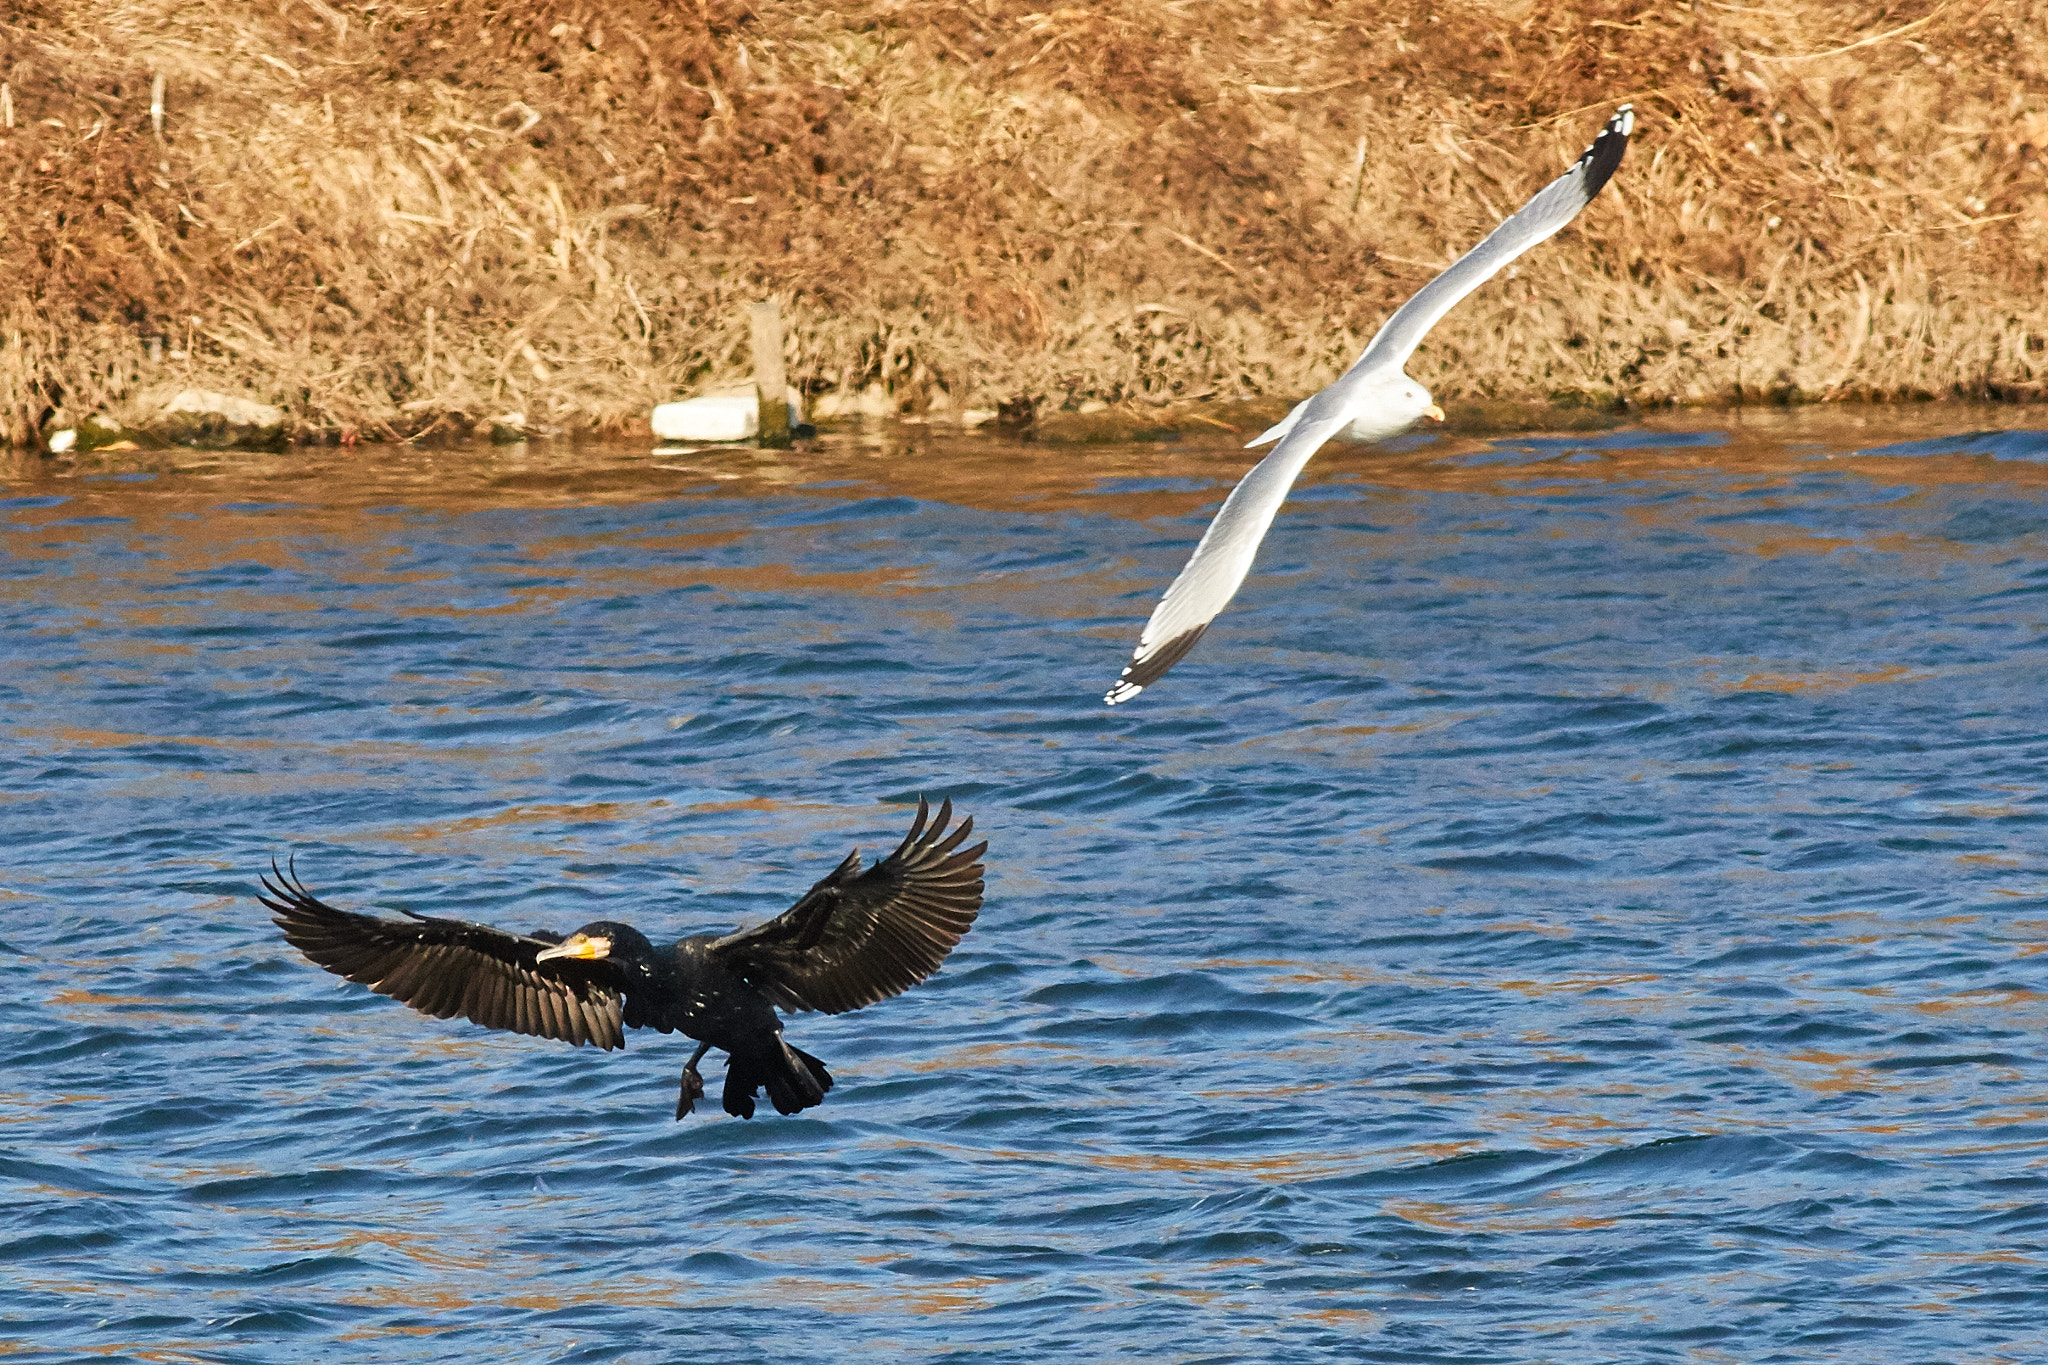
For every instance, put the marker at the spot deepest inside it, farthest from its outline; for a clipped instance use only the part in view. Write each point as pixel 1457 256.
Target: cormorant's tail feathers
pixel 794 1080
pixel 817 1069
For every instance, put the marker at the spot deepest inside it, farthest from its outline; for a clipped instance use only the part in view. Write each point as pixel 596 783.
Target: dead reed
pixel 387 216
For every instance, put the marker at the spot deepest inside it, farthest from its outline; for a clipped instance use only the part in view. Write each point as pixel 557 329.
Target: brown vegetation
pixel 384 213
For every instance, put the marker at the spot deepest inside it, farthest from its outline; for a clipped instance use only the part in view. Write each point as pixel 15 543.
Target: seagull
pixel 1372 401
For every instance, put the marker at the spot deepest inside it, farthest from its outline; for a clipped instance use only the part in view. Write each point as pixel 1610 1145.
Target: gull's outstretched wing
pixel 1220 563
pixel 1224 557
pixel 446 967
pixel 1552 207
pixel 1549 210
pixel 858 937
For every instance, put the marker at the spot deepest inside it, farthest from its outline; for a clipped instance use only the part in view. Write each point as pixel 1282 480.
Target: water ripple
pixel 1581 903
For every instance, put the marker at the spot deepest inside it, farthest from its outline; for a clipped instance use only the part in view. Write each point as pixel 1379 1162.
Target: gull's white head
pixel 1416 400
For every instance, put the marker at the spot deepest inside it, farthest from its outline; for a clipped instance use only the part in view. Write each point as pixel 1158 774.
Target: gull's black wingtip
pixel 1598 165
pixel 1145 669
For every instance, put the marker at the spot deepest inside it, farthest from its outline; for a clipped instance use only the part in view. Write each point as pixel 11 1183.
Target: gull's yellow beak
pixel 577 946
pixel 1433 412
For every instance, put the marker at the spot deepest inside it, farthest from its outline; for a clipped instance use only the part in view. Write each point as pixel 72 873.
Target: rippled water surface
pixel 1582 903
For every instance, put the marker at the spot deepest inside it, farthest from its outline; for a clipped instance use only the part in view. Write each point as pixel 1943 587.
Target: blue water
pixel 1581 905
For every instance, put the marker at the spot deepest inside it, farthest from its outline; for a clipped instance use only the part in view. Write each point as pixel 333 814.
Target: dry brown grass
pixel 963 202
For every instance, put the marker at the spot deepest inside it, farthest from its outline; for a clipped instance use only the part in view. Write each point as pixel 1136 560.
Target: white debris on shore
pixel 716 417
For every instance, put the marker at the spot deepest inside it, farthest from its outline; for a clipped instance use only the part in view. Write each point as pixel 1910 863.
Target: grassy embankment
pixel 381 215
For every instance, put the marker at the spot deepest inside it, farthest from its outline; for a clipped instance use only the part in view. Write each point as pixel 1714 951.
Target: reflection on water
pixel 1582 902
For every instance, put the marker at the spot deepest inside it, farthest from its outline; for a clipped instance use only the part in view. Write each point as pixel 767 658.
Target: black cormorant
pixel 855 938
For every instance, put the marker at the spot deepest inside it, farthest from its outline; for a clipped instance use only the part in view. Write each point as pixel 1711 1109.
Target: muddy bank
pixel 387 220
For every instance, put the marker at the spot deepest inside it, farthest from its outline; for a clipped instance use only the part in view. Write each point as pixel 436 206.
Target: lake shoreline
pixel 1093 426
pixel 992 465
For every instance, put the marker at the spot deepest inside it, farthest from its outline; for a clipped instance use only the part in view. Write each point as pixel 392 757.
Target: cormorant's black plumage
pixel 855 938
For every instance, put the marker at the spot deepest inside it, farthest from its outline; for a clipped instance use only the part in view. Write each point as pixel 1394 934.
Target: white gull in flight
pixel 1372 401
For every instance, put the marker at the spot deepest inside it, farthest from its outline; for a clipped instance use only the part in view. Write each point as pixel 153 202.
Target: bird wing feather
pixel 1219 564
pixel 859 937
pixel 446 967
pixel 1548 210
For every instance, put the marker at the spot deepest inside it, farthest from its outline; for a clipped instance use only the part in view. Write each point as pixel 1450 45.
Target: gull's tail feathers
pixel 1279 429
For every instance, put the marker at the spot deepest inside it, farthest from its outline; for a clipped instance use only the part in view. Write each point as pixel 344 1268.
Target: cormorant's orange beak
pixel 577 946
pixel 1433 412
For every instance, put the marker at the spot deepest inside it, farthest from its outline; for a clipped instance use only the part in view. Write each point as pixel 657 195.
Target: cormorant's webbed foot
pixel 693 1084
pixel 693 1090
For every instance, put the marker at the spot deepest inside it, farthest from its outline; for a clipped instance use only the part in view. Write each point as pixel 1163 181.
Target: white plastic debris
pixel 61 441
pixel 722 417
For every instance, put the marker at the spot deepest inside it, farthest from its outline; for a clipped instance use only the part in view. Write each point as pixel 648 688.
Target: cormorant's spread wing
pixel 858 937
pixel 1548 210
pixel 446 967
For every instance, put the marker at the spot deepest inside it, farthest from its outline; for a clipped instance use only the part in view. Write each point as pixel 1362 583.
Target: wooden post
pixel 770 387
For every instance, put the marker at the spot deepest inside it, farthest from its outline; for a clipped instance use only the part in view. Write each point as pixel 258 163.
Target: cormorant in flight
pixel 855 938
